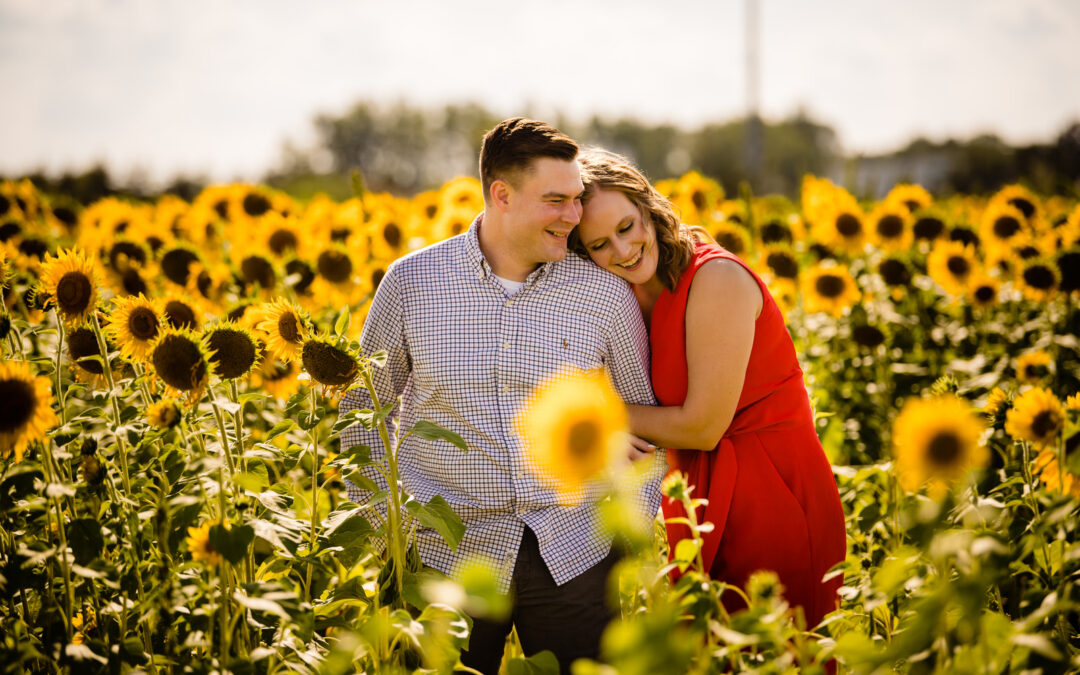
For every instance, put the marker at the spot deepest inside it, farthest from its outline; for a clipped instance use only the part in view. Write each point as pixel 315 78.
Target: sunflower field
pixel 172 481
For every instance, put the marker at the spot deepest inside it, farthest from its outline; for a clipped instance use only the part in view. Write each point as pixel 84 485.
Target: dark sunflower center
pixel 73 293
pixel 377 277
pixel 121 227
pixel 123 253
pixel 890 226
pixel 1069 266
pixel 82 343
pixel 221 207
pixel 928 228
pixel 340 234
pixel 179 315
pixel 179 363
pixel 234 352
pixel 911 205
pixel 582 439
pixel 964 236
pixel 20 402
pixel 237 313
pixel 203 283
pixel 302 270
pixel 258 270
pixel 1027 252
pixel 255 204
pixel 1025 206
pixel 143 323
pixel 457 227
pixel 5 205
pixel 848 225
pixel 155 243
pixel 1039 277
pixel 431 210
pixel 698 198
pixel 289 328
pixel 176 265
pixel 391 234
pixel 282 241
pixel 9 230
pixel 783 265
pixel 829 286
pixel 335 266
pixel 944 449
pixel 958 266
pixel 774 231
pixel 1045 424
pixel 327 364
pixel 1005 227
pixel 730 241
pixel 65 216
pixel 985 294
pixel 33 247
pixel 867 336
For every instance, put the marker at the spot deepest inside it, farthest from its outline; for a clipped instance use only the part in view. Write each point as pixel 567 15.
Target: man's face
pixel 543 209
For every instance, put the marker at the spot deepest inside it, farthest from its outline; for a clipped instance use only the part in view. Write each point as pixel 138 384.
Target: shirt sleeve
pixel 384 330
pixel 628 351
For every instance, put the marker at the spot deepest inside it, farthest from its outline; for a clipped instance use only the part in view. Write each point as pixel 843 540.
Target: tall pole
pixel 754 135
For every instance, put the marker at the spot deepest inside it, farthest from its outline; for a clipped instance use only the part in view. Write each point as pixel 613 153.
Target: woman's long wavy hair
pixel 604 170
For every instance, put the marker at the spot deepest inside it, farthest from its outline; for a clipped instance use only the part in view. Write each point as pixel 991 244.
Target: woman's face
pixel 618 237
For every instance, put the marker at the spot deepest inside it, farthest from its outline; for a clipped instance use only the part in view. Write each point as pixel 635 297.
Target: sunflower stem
pixel 313 433
pixel 394 512
pixel 50 477
pixel 56 368
pixel 238 422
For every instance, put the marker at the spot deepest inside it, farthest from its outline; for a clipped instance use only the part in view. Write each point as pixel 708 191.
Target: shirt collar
pixel 476 261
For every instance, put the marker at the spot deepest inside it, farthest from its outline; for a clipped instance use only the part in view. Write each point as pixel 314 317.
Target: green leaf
pixel 541 663
pixel 279 428
pixel 65 435
pixel 251 397
pixel 342 323
pixel 255 480
pixel 84 537
pixel 438 516
pixel 232 543
pixel 349 530
pixel 433 432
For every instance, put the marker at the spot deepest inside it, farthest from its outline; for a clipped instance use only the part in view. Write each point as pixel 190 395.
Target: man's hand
pixel 639 448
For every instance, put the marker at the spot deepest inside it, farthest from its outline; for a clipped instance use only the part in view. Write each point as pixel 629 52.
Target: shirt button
pixel 506 390
pixel 506 345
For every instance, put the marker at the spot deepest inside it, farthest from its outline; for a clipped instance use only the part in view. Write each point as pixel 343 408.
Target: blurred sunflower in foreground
pixel 574 429
pixel 27 411
pixel 936 442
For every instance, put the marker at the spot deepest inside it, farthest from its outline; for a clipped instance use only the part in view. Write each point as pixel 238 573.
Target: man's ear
pixel 500 193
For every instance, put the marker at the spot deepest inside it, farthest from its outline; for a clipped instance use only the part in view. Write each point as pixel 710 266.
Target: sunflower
pixel 200 547
pixel 776 231
pixel 284 328
pixel 1020 198
pixel 895 273
pixel 1033 367
pixel 828 288
pixel 70 281
pixel 165 414
pixel 27 411
pixel 983 290
pixel 387 235
pixel 1073 402
pixel 328 364
pixel 180 312
pixel 997 403
pixel 1002 225
pixel 842 226
pixel 1038 279
pixel 82 346
pixel 936 441
pixel 233 349
pixel 731 236
pixel 786 294
pixel 180 359
pixel 176 264
pixel 782 263
pixel 276 377
pixel 928 227
pixel 911 197
pixel 952 264
pixel 1048 467
pixel 134 324
pixel 573 429
pixel 890 227
pixel 283 236
pixel 257 269
pixel 463 192
pixel 1036 416
pixel 450 223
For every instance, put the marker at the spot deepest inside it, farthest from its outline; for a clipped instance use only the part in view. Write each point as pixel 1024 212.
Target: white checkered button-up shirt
pixel 467 356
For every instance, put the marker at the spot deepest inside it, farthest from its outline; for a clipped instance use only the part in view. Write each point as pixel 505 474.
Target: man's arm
pixel 384 330
pixel 627 357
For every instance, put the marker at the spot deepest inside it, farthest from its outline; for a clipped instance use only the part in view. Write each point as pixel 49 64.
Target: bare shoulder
pixel 726 283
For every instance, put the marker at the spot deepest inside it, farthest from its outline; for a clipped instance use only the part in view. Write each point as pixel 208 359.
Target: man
pixel 472 325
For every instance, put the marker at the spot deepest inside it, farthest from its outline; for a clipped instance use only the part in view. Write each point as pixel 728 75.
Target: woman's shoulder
pixel 725 278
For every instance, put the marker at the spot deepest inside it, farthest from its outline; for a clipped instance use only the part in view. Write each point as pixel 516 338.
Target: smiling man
pixel 472 326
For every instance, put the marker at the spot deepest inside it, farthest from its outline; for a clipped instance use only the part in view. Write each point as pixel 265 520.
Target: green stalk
pixel 69 595
pixel 313 434
pixel 394 512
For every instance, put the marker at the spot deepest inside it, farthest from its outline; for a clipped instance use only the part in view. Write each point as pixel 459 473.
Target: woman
pixel 732 401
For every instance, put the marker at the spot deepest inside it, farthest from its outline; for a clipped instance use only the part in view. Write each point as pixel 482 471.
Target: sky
pixel 214 88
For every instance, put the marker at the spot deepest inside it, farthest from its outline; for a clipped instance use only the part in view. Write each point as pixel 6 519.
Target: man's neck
pixel 499 253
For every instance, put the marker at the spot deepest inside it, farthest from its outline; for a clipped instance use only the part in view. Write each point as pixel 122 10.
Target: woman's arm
pixel 723 304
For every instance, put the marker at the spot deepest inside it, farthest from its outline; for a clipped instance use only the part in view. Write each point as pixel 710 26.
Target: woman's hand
pixel 639 448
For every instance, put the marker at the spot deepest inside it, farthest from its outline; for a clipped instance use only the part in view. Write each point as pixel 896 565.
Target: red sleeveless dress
pixel 772 496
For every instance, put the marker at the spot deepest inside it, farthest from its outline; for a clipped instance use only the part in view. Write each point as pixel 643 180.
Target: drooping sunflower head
pixel 829 288
pixel 165 414
pixel 952 264
pixel 996 406
pixel 1037 416
pixel 1033 367
pixel 233 349
pixel 329 364
pixel 283 327
pixel 574 430
pixel 82 346
pixel 180 359
pixel 134 324
pixel 176 264
pixel 936 441
pixel 27 413
pixel 70 281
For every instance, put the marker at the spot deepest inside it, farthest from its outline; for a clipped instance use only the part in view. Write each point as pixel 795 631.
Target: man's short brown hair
pixel 509 149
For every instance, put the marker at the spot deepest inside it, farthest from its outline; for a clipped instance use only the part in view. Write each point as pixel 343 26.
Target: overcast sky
pixel 214 87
